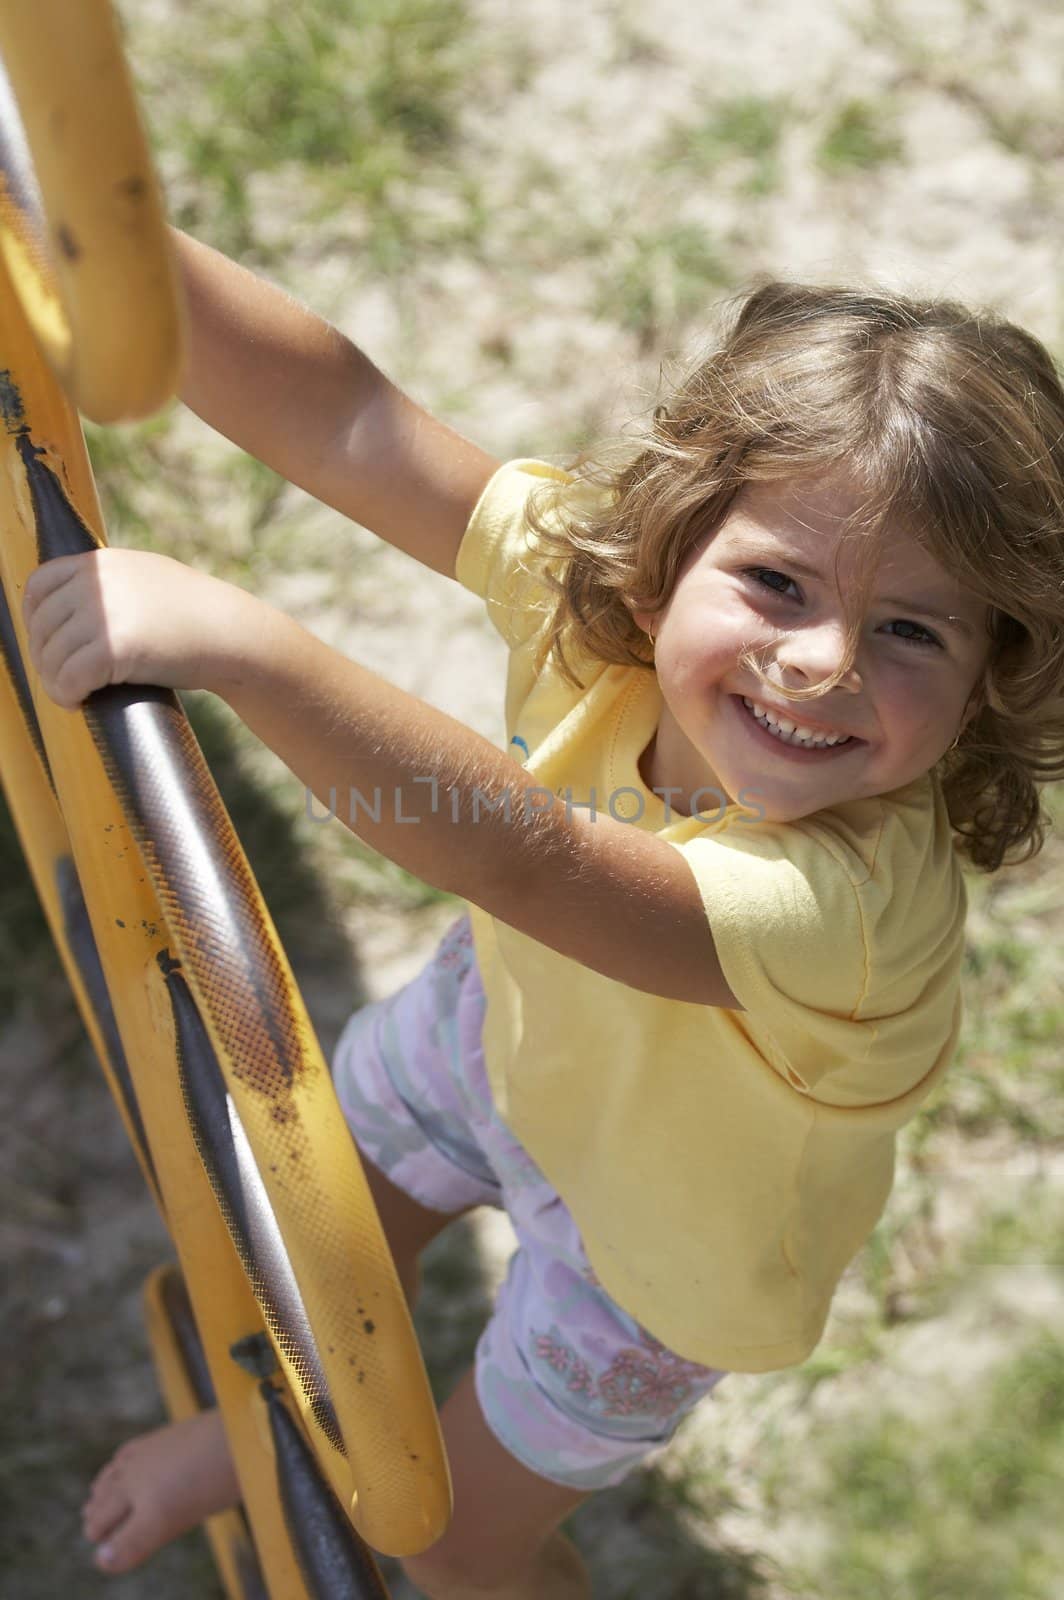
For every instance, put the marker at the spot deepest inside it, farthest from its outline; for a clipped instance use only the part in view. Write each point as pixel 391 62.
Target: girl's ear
pixel 976 702
pixel 642 619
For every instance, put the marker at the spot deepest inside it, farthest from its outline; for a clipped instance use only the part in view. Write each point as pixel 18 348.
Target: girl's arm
pixel 290 389
pixel 428 792
pixel 461 815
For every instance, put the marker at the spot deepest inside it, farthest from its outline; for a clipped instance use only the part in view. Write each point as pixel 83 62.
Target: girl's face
pixel 766 579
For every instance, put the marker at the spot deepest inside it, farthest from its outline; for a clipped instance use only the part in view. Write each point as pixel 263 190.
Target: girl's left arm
pixel 411 781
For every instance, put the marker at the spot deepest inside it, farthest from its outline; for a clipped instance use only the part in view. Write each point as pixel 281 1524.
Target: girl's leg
pixel 156 1487
pixel 502 1543
pixel 162 1483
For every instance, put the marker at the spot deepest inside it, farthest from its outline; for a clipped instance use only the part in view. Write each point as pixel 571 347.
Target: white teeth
pixel 793 733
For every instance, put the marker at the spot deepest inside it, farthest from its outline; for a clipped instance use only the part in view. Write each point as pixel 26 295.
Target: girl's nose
pixel 815 652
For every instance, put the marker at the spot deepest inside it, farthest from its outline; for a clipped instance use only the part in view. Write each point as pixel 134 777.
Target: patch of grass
pixel 129 464
pixel 747 127
pixel 948 1513
pixel 857 140
pixel 1033 1234
pixel 828 1362
pixel 362 94
pixel 225 512
pixel 1007 1070
pixel 980 1097
pixel 659 277
pixel 998 961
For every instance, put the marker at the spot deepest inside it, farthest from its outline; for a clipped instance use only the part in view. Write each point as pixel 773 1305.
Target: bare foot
pixel 157 1486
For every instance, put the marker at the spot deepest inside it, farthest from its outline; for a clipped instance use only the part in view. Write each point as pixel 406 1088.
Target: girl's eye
pixel 779 583
pixel 918 633
pixel 769 578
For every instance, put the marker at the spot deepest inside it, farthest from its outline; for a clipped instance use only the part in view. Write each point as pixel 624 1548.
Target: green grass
pixel 964 1510
pixel 1030 1234
pixel 359 98
pixel 858 139
pixel 1007 1072
pixel 660 277
pixel 747 129
pixel 131 465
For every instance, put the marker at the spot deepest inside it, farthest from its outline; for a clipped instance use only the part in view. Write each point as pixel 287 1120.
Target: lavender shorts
pixel 569 1383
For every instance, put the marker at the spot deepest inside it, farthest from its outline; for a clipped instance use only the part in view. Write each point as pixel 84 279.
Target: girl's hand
pixel 124 616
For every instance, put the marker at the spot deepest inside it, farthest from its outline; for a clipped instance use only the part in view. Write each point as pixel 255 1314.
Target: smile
pixel 794 733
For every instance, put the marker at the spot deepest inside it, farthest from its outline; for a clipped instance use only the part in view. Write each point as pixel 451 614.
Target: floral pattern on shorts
pixel 645 1380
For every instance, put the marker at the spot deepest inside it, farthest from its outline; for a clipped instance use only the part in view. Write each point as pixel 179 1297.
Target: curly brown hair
pixel 949 421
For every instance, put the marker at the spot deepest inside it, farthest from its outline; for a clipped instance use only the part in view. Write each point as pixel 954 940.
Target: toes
pixel 107 1504
pixel 96 1525
pixel 105 1475
pixel 128 1541
pixel 126 1546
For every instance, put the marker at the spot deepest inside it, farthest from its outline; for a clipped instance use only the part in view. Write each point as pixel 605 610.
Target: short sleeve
pixel 497 558
pixel 843 941
pixel 787 927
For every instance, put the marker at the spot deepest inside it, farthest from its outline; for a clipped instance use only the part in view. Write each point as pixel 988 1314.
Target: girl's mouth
pixel 804 745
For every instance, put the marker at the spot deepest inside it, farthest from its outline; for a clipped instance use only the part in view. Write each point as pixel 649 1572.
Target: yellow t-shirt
pixel 723 1166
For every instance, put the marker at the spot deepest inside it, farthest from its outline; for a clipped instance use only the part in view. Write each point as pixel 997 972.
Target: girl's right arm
pixel 289 388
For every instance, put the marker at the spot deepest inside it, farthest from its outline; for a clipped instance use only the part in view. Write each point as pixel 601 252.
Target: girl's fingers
pixel 48 577
pixel 71 664
pixel 117 616
pixel 58 645
pixel 49 611
pixel 78 677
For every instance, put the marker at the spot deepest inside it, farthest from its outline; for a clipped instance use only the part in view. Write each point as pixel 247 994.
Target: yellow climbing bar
pixel 85 245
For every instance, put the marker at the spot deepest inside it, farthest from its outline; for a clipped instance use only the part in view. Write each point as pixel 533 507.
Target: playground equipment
pixel 286 1310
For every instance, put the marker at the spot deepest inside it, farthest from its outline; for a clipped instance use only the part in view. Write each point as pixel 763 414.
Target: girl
pixel 769 681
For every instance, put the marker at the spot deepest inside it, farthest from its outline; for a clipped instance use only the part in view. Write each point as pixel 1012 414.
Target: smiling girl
pixel 772 677
pixel 770 580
